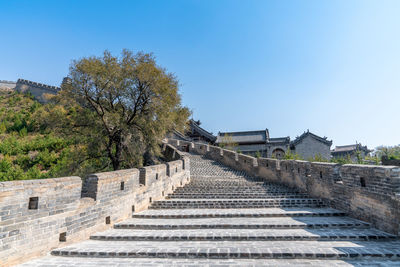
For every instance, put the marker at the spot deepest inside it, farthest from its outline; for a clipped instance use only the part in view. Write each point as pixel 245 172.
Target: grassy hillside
pixel 27 150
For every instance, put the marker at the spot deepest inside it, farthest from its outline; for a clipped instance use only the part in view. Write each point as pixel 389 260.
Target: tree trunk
pixel 116 158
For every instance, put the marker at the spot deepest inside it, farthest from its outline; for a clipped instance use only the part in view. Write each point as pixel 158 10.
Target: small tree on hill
pixel 119 107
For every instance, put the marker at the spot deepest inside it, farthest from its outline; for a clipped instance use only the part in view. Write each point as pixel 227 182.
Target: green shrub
pixel 3 127
pixel 342 160
pixel 290 155
pixel 318 158
pixel 23 132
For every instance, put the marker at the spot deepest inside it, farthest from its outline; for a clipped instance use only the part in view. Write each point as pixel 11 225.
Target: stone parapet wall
pixel 38 90
pixel 50 88
pixel 7 85
pixel 391 162
pixel 37 216
pixel 367 192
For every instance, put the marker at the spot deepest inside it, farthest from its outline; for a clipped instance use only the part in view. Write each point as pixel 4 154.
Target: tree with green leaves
pixel 119 108
pixel 228 142
pixel 391 152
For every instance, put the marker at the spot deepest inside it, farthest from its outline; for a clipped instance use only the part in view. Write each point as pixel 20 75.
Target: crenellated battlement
pixel 366 192
pixel 38 90
pixel 37 215
pixel 50 88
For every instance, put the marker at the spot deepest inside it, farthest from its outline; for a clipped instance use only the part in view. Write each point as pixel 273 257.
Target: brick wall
pixel 309 148
pixel 38 90
pixel 370 193
pixel 39 215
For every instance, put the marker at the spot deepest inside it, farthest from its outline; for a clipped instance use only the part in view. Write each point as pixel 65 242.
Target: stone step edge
pixel 163 207
pixel 246 200
pixel 233 215
pixel 239 194
pixel 244 238
pixel 228 197
pixel 242 226
pixel 226 255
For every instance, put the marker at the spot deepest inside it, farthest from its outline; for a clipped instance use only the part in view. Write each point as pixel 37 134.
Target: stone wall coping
pixel 154 167
pixel 371 166
pixel 175 162
pixel 38 182
pixel 326 164
pixel 271 159
pixel 229 151
pixel 246 156
pixel 300 161
pixel 113 174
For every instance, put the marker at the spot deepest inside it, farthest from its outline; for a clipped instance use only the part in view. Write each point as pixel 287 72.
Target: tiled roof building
pixel 350 151
pixel 309 145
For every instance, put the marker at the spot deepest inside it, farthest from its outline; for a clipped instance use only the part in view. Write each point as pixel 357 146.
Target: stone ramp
pixel 224 217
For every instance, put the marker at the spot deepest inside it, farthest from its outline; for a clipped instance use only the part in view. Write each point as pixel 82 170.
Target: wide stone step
pixel 231 213
pixel 232 190
pixel 236 203
pixel 243 223
pixel 234 249
pixel 236 187
pixel 242 235
pixel 225 178
pixel 157 262
pixel 236 195
pixel 225 182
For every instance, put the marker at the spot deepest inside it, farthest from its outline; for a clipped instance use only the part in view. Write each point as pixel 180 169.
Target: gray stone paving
pixel 242 234
pixel 233 249
pixel 90 262
pixel 255 212
pixel 226 218
pixel 254 222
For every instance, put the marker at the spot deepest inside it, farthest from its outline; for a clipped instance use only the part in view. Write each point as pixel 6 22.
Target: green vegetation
pixel 111 114
pixel 121 107
pixel 342 160
pixel 318 158
pixel 227 142
pixel 27 150
pixel 391 152
pixel 290 155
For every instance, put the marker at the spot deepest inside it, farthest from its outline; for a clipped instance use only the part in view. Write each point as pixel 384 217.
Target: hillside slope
pixel 26 150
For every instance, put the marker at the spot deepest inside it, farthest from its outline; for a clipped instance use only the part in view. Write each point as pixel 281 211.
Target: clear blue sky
pixel 329 66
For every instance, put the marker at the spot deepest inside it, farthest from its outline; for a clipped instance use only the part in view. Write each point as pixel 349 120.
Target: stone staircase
pixel 225 218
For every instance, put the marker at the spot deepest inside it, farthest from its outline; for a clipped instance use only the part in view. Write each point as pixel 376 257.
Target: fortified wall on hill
pixel 38 90
pixel 366 192
pixel 7 85
pixel 39 215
